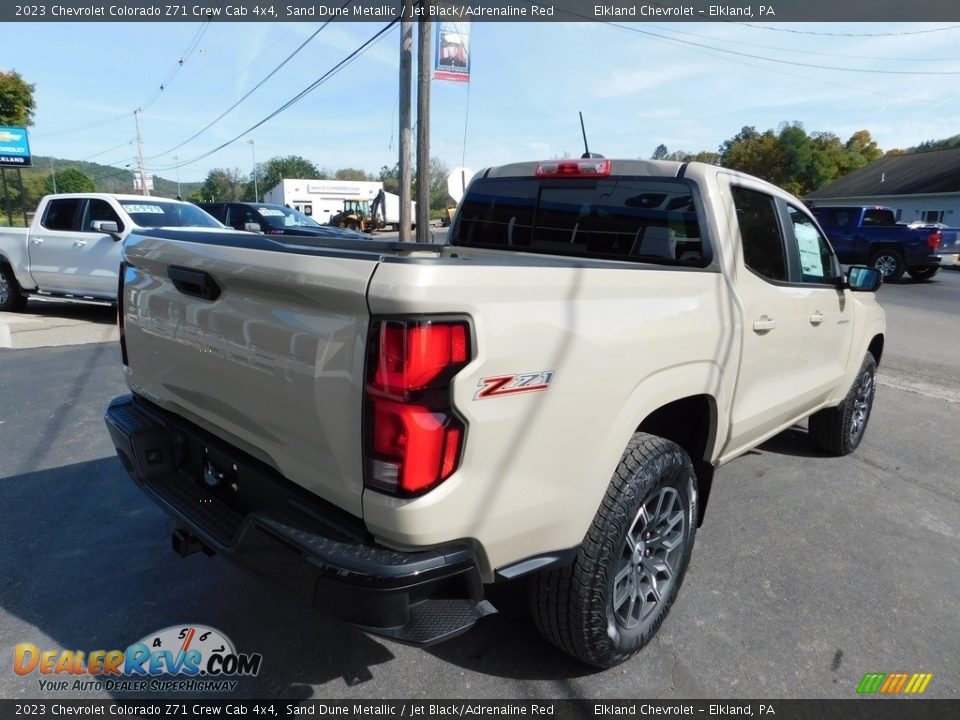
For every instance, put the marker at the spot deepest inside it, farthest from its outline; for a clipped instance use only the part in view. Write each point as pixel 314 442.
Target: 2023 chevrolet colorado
pixel 386 428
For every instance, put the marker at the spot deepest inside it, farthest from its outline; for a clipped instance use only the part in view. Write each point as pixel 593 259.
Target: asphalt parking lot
pixel 809 571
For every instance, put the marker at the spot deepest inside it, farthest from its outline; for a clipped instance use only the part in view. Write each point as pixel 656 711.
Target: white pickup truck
pixel 72 247
pixel 387 428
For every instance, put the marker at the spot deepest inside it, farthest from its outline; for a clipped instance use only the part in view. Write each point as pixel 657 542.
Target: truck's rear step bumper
pixel 261 521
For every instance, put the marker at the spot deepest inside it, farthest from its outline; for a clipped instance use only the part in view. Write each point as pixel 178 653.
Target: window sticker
pixel 152 209
pixel 808 240
pixel 269 212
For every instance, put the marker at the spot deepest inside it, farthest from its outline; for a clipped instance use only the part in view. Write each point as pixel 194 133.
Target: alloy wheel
pixel 646 566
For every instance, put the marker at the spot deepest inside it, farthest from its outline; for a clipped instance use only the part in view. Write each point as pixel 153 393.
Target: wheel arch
pixel 690 422
pixel 876 347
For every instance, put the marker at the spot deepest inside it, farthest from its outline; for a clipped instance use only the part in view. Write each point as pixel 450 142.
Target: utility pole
pixel 143 177
pixel 179 194
pixel 53 176
pixel 253 156
pixel 424 27
pixel 406 77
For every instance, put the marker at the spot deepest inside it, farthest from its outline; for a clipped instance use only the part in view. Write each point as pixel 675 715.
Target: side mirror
pixel 252 227
pixel 109 227
pixel 861 278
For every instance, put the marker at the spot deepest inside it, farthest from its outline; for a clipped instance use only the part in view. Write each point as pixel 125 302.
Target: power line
pixel 296 98
pixel 805 51
pixel 81 128
pixel 104 152
pixel 249 93
pixel 780 61
pixel 853 35
pixel 179 65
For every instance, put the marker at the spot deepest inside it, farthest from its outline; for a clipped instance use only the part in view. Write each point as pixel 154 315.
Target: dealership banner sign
pixel 14 147
pixel 452 51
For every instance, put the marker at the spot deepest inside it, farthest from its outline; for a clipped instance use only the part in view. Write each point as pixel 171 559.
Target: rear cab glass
pixel 638 219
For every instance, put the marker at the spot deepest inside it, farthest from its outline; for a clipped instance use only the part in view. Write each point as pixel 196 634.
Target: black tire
pixel 611 601
pixel 12 298
pixel 839 430
pixel 352 226
pixel 889 263
pixel 923 272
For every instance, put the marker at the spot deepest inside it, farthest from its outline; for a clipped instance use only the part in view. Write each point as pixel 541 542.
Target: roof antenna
pixel 586 148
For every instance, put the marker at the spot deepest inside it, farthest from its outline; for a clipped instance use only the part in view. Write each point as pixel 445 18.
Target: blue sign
pixel 14 147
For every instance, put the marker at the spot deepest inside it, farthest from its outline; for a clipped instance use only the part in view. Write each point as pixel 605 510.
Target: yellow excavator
pixel 354 216
pixel 360 215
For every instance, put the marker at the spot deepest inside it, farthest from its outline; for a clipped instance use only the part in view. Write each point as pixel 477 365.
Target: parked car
pixel 72 247
pixel 386 428
pixel 275 220
pixel 872 235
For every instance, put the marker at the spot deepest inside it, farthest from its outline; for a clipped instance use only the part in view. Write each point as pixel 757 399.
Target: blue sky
pixel 637 88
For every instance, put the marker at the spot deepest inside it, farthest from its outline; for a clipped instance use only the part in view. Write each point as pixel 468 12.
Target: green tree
pixel 70 180
pixel 16 100
pixel 222 185
pixel 660 152
pixel 390 177
pixel 753 152
pixel 291 167
pixel 351 174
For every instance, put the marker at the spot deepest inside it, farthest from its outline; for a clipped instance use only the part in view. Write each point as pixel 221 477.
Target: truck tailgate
pixel 262 347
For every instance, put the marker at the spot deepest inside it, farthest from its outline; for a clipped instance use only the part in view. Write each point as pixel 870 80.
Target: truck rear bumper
pixel 226 502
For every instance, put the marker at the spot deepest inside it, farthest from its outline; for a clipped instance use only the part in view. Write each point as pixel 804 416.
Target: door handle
pixel 764 324
pixel 37 241
pixel 816 318
pixel 195 283
pixel 79 243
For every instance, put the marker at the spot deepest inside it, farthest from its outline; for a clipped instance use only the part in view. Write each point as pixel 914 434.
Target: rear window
pixel 639 219
pixel 879 217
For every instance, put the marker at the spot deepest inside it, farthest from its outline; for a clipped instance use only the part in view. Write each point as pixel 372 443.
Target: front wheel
pixel 11 296
pixel 923 272
pixel 839 430
pixel 889 263
pixel 610 603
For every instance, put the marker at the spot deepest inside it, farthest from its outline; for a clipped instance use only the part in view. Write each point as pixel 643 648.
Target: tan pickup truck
pixel 385 428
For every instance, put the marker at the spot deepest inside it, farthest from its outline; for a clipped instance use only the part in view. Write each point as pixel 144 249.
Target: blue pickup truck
pixel 872 236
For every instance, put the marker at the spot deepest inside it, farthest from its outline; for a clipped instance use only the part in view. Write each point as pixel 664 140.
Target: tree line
pixel 789 157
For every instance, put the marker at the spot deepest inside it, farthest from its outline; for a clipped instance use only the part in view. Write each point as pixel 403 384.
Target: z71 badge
pixel 512 384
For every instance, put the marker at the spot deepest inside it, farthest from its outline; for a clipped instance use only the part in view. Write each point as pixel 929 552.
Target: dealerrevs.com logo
pixel 200 658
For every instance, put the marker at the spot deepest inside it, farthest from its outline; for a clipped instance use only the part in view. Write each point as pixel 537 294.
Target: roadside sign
pixel 14 147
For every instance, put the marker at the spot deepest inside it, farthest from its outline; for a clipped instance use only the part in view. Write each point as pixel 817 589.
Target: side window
pixel 816 256
pixel 240 215
pixel 62 214
pixel 760 233
pixel 100 210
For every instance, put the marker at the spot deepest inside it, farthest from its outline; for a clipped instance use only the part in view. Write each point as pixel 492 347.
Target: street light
pixel 253 155
pixel 179 194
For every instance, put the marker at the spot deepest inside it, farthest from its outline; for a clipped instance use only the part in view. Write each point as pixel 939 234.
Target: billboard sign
pixel 14 147
pixel 451 51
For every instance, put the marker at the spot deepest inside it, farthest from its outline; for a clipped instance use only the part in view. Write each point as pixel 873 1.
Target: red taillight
pixel 933 239
pixel 574 168
pixel 120 326
pixel 413 437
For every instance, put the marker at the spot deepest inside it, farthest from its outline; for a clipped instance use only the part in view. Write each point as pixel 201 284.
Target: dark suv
pixel 275 220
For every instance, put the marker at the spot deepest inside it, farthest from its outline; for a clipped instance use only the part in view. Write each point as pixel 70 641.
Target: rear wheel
pixel 924 272
pixel 839 430
pixel 11 296
pixel 609 604
pixel 889 263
